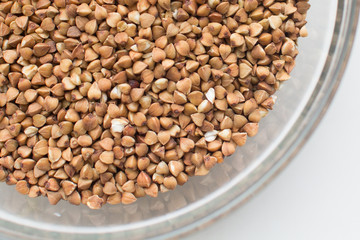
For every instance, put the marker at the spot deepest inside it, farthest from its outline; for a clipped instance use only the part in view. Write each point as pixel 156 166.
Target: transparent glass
pixel 301 103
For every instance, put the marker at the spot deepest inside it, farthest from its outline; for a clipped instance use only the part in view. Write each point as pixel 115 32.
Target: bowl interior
pixel 199 191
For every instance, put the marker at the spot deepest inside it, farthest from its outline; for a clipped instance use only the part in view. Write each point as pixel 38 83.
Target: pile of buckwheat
pixel 106 101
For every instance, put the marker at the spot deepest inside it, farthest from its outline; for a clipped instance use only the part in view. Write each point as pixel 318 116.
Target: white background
pixel 318 195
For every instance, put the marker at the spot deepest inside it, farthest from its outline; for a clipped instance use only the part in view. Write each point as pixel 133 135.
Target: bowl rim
pixel 316 107
pixel 346 25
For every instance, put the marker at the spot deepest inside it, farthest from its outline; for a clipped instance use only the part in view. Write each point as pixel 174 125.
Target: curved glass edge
pixel 316 107
pixel 310 118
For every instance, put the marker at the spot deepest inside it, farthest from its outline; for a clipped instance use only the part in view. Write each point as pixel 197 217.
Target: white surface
pixel 318 195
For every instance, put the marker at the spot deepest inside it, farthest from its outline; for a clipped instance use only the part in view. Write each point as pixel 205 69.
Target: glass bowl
pixel 301 103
